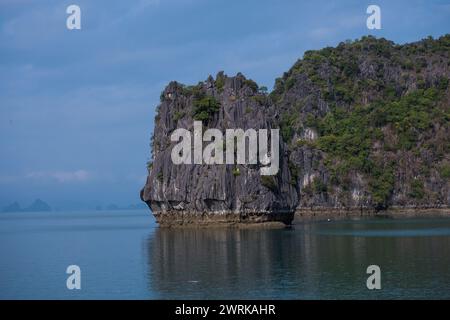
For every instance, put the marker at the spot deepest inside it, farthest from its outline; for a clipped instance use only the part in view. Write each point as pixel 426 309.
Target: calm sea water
pixel 123 254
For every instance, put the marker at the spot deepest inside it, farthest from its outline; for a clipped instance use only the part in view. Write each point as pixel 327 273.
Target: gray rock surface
pixel 193 193
pixel 352 75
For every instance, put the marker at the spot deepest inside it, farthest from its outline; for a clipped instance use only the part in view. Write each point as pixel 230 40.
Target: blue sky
pixel 77 106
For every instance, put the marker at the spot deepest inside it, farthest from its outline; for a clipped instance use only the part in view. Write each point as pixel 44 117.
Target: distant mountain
pixel 13 207
pixel 38 205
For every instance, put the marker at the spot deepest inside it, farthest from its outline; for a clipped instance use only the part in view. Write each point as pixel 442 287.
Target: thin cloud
pixel 342 25
pixel 61 176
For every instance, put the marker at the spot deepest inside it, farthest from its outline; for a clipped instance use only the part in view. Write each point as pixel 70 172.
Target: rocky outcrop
pixel 216 194
pixel 364 126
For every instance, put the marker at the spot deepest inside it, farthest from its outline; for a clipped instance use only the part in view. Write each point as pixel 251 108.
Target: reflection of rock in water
pixel 248 263
pixel 201 261
pixel 310 261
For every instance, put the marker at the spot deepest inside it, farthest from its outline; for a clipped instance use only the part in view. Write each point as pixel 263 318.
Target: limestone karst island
pixel 364 130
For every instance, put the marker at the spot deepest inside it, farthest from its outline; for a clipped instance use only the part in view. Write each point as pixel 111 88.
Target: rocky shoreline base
pixel 325 214
pixel 237 219
pixel 283 219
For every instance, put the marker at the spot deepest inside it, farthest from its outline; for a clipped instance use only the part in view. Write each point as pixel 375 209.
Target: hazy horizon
pixel 77 106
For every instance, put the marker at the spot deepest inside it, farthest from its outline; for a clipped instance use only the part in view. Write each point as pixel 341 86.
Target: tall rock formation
pixel 363 126
pixel 221 193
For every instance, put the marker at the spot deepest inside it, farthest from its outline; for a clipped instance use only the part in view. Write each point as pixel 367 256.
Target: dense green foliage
pixel 318 186
pixel 219 84
pixel 252 84
pixel 263 89
pixel 417 190
pixel 349 135
pixel 336 71
pixel 444 170
pixel 205 107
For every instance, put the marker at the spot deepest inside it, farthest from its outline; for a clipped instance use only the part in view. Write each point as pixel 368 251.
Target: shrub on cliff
pixel 205 107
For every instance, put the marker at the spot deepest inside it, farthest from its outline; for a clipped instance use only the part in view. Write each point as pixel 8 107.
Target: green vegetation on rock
pixel 205 107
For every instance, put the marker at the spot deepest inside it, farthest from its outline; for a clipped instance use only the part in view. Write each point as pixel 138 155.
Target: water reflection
pixel 307 261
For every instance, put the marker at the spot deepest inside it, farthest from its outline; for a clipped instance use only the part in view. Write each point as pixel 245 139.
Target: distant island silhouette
pixel 41 206
pixel 36 206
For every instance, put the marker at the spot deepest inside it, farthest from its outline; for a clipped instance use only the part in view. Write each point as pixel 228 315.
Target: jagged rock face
pixel 363 125
pixel 371 77
pixel 219 193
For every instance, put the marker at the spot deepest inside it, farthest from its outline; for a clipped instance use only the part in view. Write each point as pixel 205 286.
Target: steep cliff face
pixel 367 124
pixel 363 125
pixel 219 193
